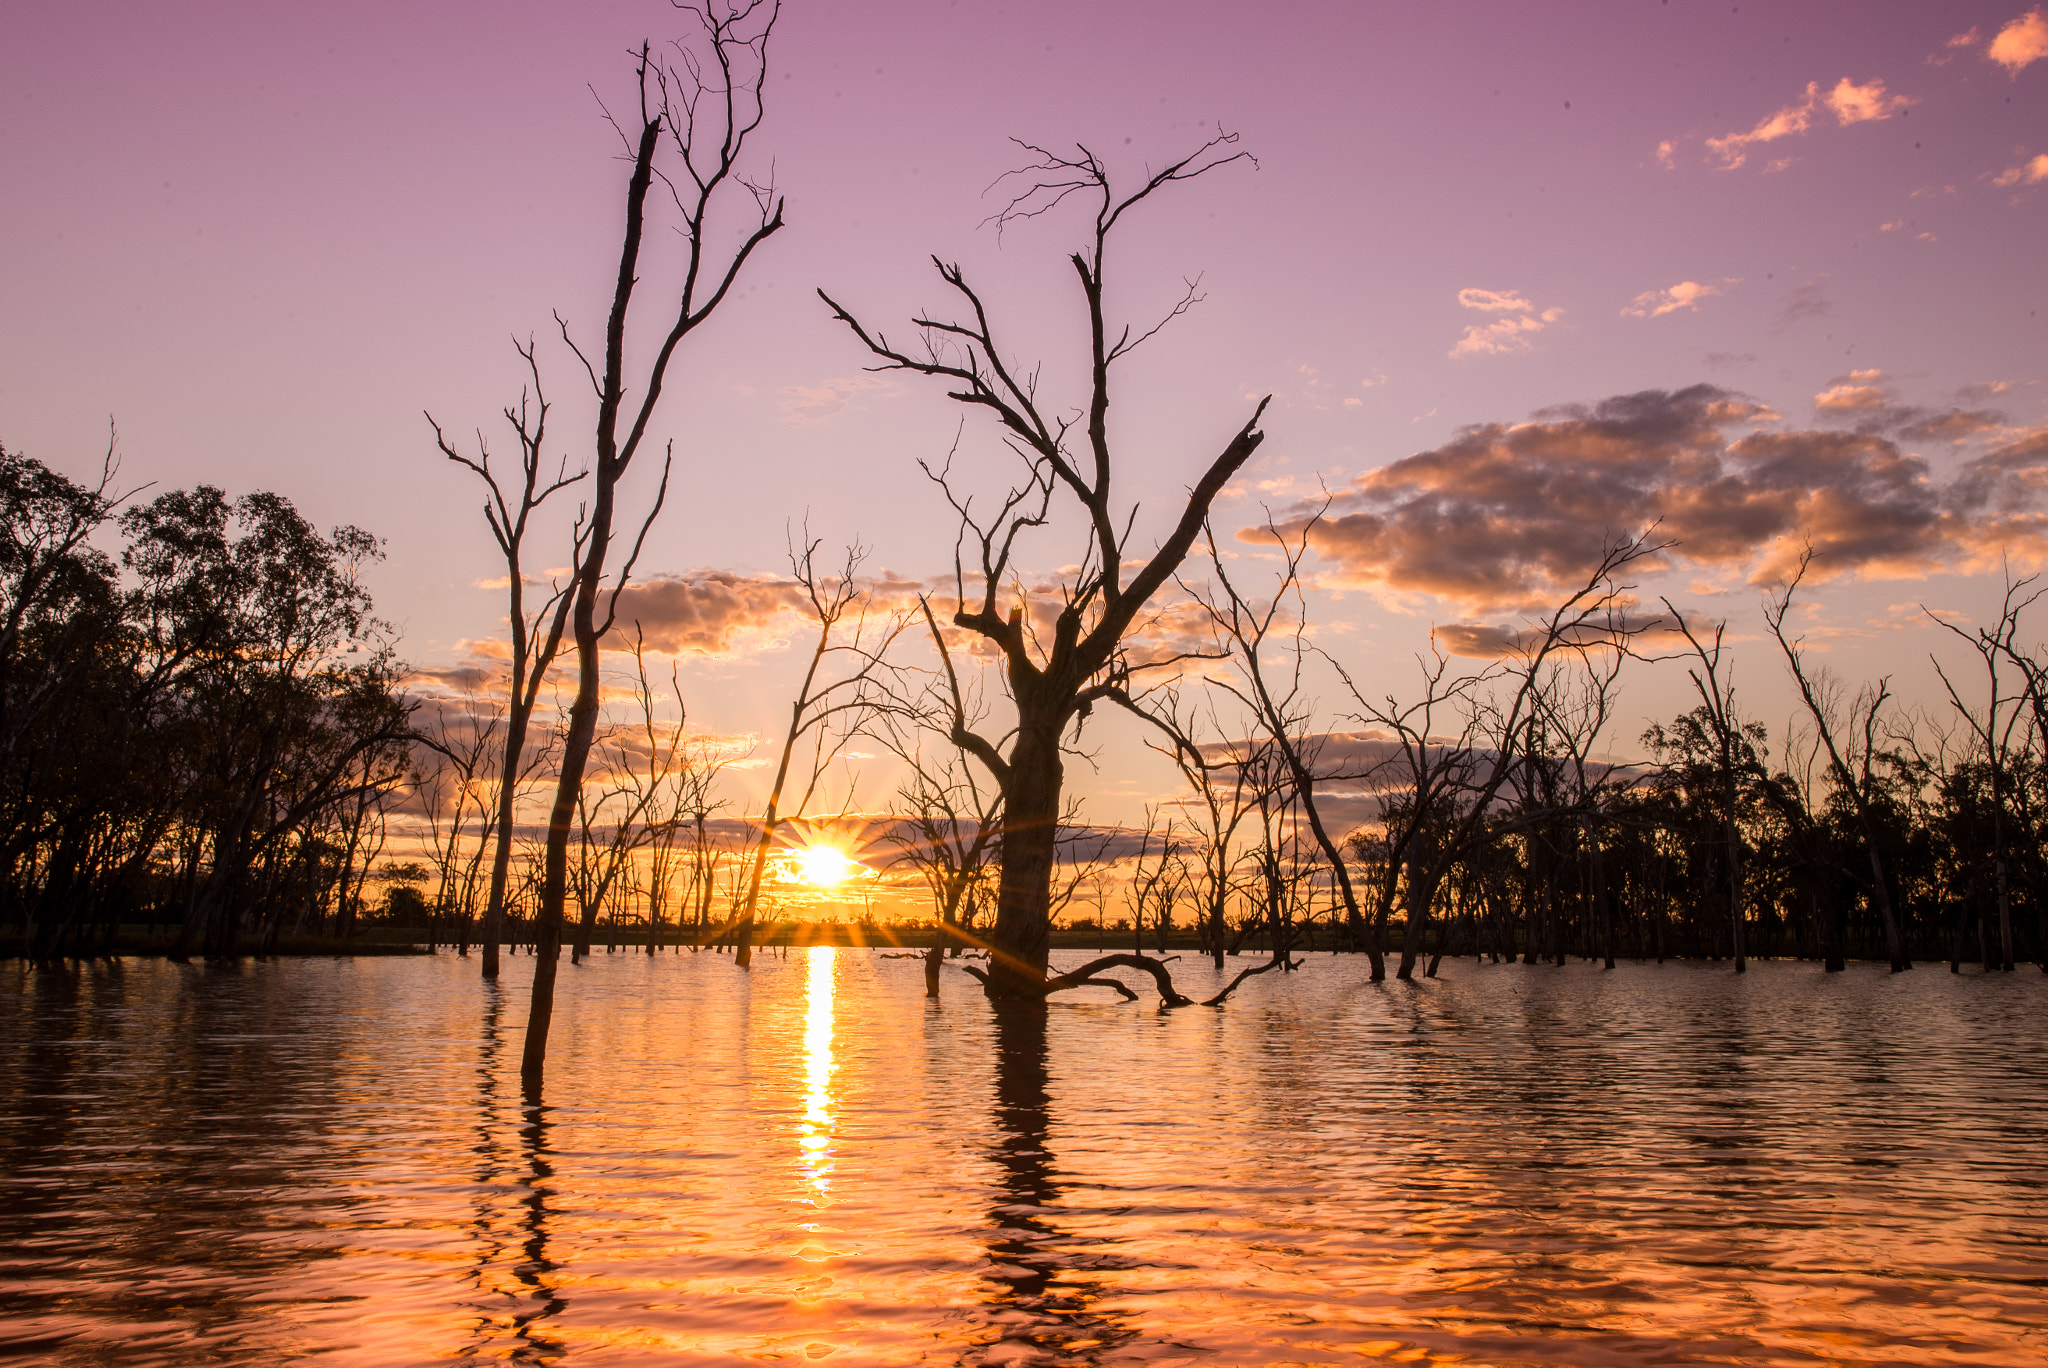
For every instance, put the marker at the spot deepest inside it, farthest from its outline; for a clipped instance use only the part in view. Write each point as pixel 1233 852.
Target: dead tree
pixel 1575 704
pixel 1996 730
pixel 1276 700
pixel 679 776
pixel 1222 775
pixel 448 774
pixel 706 110
pixel 828 708
pixel 1449 784
pixel 1060 664
pixel 951 829
pixel 536 639
pixel 1852 755
pixel 1717 708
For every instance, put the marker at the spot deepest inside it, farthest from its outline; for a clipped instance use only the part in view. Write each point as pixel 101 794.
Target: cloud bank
pixel 1507 515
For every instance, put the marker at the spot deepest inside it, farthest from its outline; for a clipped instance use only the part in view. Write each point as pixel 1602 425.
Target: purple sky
pixel 263 238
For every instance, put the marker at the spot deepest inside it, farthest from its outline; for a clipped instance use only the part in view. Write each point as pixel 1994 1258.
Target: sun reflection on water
pixel 814 1139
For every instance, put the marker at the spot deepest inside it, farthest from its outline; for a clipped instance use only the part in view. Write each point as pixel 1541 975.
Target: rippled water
pixel 265 1162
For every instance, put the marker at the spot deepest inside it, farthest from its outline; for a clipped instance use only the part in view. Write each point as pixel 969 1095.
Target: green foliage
pixel 204 723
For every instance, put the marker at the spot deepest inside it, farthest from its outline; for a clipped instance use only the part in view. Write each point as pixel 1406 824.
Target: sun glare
pixel 823 866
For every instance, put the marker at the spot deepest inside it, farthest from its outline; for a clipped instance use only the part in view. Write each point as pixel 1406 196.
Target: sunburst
pixel 825 866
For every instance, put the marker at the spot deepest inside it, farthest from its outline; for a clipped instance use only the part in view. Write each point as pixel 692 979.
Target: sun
pixel 823 866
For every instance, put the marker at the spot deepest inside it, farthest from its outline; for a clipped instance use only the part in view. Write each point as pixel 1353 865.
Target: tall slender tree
pixel 704 109
pixel 536 640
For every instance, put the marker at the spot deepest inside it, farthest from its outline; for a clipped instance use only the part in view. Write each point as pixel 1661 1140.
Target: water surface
pixel 331 1160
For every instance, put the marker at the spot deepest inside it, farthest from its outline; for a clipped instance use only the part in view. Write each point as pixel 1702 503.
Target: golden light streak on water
pixel 814 1139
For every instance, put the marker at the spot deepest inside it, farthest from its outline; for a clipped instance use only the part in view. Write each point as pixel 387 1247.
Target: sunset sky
pixel 1770 273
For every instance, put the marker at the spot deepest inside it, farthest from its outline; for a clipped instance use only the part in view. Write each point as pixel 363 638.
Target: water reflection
pixel 814 1132
pixel 1508 1166
pixel 510 1267
pixel 1043 1283
pixel 535 1270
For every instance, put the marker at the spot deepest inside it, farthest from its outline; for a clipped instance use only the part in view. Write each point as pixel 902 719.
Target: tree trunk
pixel 1421 893
pixel 501 858
pixel 2005 957
pixel 1020 944
pixel 547 922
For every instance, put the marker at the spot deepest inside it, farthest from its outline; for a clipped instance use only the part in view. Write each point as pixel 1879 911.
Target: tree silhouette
pixel 1058 670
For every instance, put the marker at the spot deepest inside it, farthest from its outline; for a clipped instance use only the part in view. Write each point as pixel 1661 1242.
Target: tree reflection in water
pixel 534 1270
pixel 1038 1302
pixel 532 1300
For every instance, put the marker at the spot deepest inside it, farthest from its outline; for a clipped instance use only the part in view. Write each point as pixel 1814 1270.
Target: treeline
pixel 195 728
pixel 205 728
pixel 1480 811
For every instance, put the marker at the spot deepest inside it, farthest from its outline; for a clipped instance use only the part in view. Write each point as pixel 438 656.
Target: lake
pixel 263 1162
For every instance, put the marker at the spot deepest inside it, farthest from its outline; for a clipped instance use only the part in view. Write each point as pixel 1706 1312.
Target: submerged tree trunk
pixel 1020 944
pixel 1422 882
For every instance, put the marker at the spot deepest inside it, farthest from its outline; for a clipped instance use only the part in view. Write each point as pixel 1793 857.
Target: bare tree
pixel 1277 702
pixel 1717 709
pixel 1852 750
pixel 950 830
pixel 536 639
pixel 706 109
pixel 1574 704
pixel 678 775
pixel 1222 774
pixel 1448 784
pixel 1997 732
pixel 1057 674
pixel 444 780
pixel 827 710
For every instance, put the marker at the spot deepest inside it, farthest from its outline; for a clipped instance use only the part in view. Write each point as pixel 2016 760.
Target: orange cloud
pixel 1857 392
pixel 1854 104
pixel 1850 103
pixel 1494 301
pixel 2030 172
pixel 1686 294
pixel 1866 400
pixel 1511 332
pixel 2020 43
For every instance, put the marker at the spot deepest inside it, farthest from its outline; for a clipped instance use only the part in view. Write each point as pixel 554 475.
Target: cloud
pixel 1505 516
pixel 1867 401
pixel 2020 43
pixel 1729 360
pixel 2030 172
pixel 710 612
pixel 1855 104
pixel 468 677
pixel 1665 157
pixel 1848 102
pixel 1510 333
pixel 808 405
pixel 1495 641
pixel 1494 301
pixel 1853 393
pixel 1805 301
pixel 1686 294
